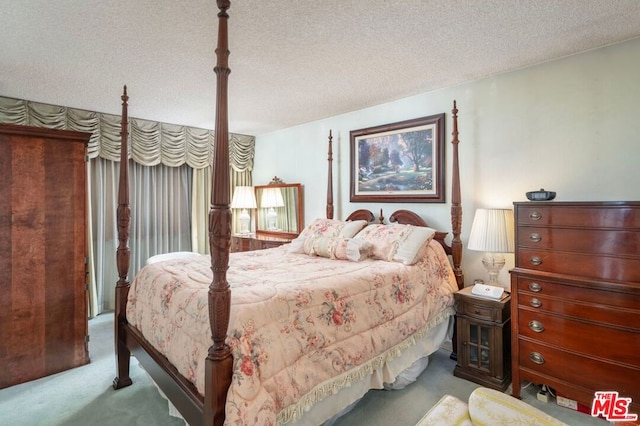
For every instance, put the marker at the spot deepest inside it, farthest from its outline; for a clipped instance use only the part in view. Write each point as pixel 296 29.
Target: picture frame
pixel 399 162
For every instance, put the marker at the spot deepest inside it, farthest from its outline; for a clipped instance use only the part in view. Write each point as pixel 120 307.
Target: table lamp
pixel 271 198
pixel 492 232
pixel 244 198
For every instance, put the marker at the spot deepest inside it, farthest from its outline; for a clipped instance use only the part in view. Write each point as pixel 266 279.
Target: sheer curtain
pixel 160 201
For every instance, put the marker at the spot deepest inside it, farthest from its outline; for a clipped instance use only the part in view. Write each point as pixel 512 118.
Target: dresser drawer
pixel 239 244
pixel 578 370
pixel 586 265
pixel 533 287
pixel 259 244
pixel 597 241
pixel 579 336
pixel 610 216
pixel 249 243
pixel 593 312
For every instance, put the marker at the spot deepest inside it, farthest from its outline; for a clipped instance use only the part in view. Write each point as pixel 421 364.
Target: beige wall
pixel 571 126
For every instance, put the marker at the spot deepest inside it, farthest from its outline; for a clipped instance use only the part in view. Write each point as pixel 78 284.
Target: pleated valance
pixel 150 142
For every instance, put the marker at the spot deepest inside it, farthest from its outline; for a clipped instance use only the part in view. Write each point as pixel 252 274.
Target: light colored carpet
pixel 84 396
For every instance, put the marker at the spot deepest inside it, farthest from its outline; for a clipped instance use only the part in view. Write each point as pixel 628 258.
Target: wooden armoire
pixel 43 249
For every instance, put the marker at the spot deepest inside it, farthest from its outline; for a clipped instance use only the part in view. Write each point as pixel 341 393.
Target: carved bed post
pixel 218 363
pixel 456 204
pixel 123 218
pixel 330 179
pixel 456 222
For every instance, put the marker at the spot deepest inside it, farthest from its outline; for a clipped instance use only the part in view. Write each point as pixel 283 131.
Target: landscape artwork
pixel 400 162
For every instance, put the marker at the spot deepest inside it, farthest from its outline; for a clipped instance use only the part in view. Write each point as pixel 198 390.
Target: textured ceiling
pixel 292 61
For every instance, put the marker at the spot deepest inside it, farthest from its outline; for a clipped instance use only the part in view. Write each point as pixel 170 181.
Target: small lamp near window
pixel 492 232
pixel 244 198
pixel 271 198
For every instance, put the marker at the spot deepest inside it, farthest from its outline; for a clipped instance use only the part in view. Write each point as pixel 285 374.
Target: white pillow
pixel 171 256
pixel 395 242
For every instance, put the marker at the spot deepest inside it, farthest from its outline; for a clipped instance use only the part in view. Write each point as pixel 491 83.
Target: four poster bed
pixel 292 334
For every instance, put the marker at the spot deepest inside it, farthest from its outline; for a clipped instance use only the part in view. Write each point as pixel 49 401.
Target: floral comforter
pixel 301 327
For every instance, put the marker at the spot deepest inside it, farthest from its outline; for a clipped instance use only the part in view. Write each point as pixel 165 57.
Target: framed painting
pixel 399 162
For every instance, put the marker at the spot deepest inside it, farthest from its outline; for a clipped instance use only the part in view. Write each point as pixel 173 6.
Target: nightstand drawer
pixel 481 312
pixel 483 308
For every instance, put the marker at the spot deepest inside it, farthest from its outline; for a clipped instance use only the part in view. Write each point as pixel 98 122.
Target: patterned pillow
pixel 336 248
pixel 395 242
pixel 333 228
pixel 490 407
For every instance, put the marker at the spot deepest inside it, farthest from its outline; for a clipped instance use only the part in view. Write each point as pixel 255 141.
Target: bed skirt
pixel 327 411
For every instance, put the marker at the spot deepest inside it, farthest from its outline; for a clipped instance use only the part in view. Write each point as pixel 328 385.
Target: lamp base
pixel 244 222
pixel 493 262
pixel 272 219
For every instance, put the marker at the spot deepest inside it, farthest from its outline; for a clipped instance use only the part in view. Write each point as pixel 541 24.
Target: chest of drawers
pixel 576 298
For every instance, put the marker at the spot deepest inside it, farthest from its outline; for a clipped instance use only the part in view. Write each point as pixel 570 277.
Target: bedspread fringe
pixel 295 411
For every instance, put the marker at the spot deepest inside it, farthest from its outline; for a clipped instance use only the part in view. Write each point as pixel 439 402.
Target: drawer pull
pixel 536 357
pixel 535 216
pixel 533 286
pixel 535 260
pixel 536 326
pixel 536 238
pixel 535 302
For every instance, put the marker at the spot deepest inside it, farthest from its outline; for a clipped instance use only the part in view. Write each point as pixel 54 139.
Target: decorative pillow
pixel 333 228
pixel 490 407
pixel 395 242
pixel 448 411
pixel 336 248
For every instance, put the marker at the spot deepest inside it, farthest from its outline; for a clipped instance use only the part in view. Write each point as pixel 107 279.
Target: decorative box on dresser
pixel 576 298
pixel 43 271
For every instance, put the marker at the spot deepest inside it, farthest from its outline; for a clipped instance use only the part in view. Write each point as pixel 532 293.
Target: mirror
pixel 279 212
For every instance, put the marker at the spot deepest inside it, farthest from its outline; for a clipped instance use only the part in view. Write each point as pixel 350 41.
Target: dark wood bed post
pixel 456 204
pixel 218 364
pixel 330 179
pixel 123 218
pixel 456 222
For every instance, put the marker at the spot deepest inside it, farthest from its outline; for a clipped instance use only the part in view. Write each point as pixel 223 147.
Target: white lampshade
pixel 244 198
pixel 492 232
pixel 271 197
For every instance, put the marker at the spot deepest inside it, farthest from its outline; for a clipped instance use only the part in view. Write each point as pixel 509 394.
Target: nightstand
pixel 255 242
pixel 484 339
